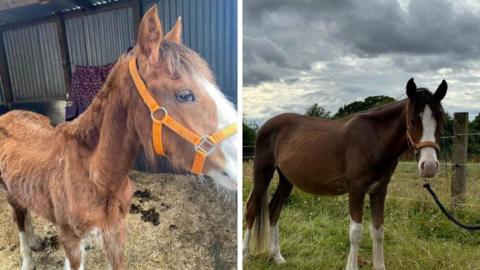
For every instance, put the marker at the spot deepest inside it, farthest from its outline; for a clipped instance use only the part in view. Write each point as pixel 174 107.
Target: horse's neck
pixel 103 129
pixel 391 122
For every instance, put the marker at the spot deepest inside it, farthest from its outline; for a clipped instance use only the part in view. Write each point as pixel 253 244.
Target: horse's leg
pixel 377 202
pixel 356 199
pixel 74 250
pixel 281 195
pixel 19 215
pixel 35 243
pixel 113 242
pixel 257 206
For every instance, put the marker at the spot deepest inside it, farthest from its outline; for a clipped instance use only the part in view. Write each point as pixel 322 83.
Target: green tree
pixel 249 135
pixel 446 143
pixel 358 106
pixel 317 111
pixel 474 140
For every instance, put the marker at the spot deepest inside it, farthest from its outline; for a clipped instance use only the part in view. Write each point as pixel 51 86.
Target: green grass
pixel 314 230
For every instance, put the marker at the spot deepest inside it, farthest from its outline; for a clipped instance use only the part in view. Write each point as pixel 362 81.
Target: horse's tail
pixel 257 208
pixel 261 226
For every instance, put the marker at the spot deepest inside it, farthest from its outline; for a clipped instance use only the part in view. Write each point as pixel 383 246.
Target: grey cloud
pixel 427 27
pixel 334 52
pixel 429 34
pixel 262 48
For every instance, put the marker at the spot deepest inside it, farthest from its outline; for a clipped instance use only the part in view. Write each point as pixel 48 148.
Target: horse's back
pixel 288 127
pixel 307 150
pixel 24 126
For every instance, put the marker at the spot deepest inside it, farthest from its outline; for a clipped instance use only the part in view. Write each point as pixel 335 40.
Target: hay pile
pixel 176 222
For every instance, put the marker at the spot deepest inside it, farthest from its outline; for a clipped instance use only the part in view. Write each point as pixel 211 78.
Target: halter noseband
pixel 414 146
pixel 204 145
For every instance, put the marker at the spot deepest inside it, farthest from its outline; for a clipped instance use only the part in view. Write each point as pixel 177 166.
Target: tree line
pixel 318 111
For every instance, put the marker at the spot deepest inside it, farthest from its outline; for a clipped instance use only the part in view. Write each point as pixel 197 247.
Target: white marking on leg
pixel 275 245
pixel 26 252
pixel 33 240
pixel 377 240
pixel 81 252
pixel 246 243
pixel 66 265
pixel 82 255
pixel 355 239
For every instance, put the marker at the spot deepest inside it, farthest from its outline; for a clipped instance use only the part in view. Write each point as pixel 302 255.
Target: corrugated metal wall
pixel 33 56
pixel 209 28
pixel 2 98
pixel 33 53
pixel 100 38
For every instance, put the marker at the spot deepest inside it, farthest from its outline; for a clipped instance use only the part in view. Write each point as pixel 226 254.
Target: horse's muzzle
pixel 428 169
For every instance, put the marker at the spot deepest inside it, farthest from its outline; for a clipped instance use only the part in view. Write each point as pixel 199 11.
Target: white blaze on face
pixel 226 114
pixel 428 163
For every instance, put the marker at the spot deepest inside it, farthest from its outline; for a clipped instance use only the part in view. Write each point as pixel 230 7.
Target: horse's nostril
pixel 422 165
pixel 224 173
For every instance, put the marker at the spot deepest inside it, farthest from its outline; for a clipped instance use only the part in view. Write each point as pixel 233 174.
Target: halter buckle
pixel 205 145
pixel 165 113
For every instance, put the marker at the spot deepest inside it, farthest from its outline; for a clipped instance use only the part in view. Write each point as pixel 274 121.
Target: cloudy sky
pixel 333 52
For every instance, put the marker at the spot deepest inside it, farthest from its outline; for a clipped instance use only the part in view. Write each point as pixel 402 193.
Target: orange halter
pixel 203 145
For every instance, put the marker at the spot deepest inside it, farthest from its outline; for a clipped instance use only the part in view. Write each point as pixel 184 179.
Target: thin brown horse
pixel 75 175
pixel 356 155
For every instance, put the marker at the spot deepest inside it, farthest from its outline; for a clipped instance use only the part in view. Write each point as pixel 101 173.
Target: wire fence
pixel 477 206
pixel 248 152
pixel 446 162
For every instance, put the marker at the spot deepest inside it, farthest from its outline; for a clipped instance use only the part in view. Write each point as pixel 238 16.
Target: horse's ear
pixel 411 89
pixel 150 35
pixel 441 91
pixel 175 34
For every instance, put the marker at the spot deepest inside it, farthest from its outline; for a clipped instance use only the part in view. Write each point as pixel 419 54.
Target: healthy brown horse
pixel 356 155
pixel 75 175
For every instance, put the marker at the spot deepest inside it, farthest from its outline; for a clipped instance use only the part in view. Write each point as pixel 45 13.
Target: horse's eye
pixel 185 96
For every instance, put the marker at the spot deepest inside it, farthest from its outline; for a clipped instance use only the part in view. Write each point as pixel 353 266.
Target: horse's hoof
pixel 245 254
pixel 38 246
pixel 28 266
pixel 278 259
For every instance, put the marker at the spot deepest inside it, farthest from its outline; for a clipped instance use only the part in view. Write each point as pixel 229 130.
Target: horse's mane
pixel 425 97
pixel 181 60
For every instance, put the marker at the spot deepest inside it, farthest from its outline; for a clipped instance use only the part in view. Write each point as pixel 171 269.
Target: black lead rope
pixel 448 214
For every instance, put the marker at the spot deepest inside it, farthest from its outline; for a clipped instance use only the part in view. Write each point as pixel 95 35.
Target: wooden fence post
pixel 460 146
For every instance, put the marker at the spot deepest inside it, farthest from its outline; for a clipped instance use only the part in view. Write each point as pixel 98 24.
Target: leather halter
pixel 204 145
pixel 414 146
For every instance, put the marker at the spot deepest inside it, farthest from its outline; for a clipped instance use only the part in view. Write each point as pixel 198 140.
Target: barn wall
pixel 2 98
pixel 33 52
pixel 99 39
pixel 33 57
pixel 209 28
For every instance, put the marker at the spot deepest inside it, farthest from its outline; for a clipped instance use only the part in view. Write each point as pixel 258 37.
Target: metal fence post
pixel 4 74
pixel 460 146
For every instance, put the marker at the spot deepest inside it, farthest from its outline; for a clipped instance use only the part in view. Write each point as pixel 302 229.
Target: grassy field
pixel 314 230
